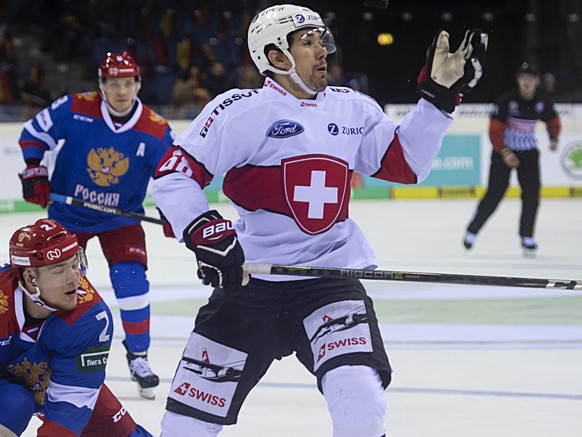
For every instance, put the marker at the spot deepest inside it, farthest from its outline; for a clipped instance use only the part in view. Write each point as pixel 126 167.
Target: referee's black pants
pixel 528 175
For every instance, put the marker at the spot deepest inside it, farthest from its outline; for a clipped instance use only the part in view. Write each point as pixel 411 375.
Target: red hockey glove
pixel 447 76
pixel 36 187
pixel 220 256
pixel 167 227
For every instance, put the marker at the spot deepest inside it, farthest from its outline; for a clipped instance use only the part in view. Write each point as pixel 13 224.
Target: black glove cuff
pixel 442 97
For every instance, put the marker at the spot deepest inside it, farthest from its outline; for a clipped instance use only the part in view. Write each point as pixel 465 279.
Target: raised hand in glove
pixel 447 76
pixel 36 187
pixel 220 256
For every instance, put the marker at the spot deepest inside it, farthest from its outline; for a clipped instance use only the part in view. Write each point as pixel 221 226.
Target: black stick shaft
pixel 106 209
pixel 389 275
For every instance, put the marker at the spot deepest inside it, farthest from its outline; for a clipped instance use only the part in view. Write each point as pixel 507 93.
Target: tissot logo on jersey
pixel 284 129
pixel 221 106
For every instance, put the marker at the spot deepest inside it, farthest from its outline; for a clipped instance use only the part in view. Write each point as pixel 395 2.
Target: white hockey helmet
pixel 272 26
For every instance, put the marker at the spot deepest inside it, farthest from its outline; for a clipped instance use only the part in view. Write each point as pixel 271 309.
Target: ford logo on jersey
pixel 284 129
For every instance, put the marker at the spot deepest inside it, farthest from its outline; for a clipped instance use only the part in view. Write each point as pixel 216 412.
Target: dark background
pixel 546 33
pixel 52 47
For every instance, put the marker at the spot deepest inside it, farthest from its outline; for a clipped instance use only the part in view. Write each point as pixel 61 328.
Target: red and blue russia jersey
pixel 98 161
pixel 12 341
pixel 65 367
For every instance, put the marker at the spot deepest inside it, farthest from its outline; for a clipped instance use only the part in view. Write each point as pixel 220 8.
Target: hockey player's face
pixel 58 283
pixel 527 84
pixel 310 58
pixel 119 92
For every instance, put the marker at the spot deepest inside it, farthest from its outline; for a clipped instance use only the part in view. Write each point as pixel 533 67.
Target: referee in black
pixel 512 133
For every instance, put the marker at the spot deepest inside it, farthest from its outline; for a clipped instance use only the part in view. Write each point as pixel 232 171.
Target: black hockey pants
pixel 528 175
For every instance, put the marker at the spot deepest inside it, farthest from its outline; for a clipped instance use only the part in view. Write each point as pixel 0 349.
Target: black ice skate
pixel 469 240
pixel 141 372
pixel 529 246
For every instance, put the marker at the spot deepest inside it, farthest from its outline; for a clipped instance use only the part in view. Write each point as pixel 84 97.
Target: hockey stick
pixel 106 209
pixel 388 275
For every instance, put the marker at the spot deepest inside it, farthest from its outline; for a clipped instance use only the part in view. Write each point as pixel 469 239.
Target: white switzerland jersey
pixel 288 163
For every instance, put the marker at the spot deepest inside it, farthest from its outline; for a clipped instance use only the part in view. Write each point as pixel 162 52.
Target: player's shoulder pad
pixel 152 123
pixel 232 101
pixel 87 103
pixel 225 106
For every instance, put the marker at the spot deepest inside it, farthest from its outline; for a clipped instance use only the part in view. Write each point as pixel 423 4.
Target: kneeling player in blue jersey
pixel 112 145
pixel 55 336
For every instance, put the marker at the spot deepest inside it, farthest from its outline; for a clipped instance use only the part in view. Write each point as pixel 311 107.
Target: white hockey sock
pixel 177 425
pixel 355 399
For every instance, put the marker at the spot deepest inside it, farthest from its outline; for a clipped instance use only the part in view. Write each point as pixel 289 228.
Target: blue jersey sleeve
pixel 44 131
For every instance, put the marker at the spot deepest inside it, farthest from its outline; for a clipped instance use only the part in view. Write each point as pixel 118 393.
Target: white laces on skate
pixel 140 367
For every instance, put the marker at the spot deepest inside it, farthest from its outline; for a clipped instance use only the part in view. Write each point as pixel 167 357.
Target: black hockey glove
pixel 36 187
pixel 447 76
pixel 220 256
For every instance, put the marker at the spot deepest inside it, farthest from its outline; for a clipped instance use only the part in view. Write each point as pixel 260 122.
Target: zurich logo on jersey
pixel 333 129
pixel 284 129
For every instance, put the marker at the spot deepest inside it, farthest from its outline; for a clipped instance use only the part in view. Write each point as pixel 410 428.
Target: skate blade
pixel 529 253
pixel 146 393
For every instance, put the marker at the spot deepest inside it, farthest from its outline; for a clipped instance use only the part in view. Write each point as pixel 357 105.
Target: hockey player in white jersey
pixel 288 151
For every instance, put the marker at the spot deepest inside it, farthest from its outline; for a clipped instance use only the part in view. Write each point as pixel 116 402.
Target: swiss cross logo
pixel 315 190
pixel 321 353
pixel 182 389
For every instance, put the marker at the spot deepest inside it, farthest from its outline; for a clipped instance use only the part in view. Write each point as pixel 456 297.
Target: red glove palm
pixel 36 187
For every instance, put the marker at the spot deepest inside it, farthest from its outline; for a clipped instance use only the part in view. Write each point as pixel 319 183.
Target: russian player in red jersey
pixel 55 336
